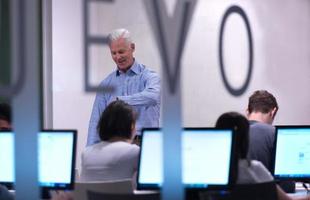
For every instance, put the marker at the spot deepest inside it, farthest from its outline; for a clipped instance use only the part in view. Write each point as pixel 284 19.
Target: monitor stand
pixel 45 193
pixel 288 186
pixel 207 194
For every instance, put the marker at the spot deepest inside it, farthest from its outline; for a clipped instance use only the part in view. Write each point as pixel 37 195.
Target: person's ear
pixel 247 113
pixel 132 46
pixel 133 130
pixel 274 112
pixel 133 127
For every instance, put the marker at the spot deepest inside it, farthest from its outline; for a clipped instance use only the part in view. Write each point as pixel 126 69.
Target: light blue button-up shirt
pixel 139 87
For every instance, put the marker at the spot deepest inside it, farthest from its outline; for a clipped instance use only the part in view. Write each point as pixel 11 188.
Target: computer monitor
pixel 291 157
pixel 7 159
pixel 56 156
pixel 207 157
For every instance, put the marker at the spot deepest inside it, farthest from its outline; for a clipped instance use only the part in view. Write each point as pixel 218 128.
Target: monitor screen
pixel 206 158
pixel 7 159
pixel 56 155
pixel 292 153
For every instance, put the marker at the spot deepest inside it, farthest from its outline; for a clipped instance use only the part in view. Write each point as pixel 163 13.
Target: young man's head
pixel 262 107
pixel 117 122
pixel 5 116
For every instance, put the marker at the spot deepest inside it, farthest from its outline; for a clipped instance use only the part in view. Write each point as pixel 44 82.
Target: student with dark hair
pixel 261 111
pixel 114 157
pixel 248 171
pixel 5 116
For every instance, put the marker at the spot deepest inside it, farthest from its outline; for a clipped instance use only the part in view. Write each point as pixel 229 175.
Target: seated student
pixel 113 158
pixel 249 171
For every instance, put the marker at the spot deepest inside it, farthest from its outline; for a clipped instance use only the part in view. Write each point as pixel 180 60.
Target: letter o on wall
pixel 239 91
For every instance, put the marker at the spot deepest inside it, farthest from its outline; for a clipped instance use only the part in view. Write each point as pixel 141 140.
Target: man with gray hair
pixel 133 83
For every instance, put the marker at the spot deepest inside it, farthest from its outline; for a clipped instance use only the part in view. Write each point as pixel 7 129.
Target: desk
pixel 299 191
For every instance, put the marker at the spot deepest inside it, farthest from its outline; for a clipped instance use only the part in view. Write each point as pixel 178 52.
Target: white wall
pixel 281 36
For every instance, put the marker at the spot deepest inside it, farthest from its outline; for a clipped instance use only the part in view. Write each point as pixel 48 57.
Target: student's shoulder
pixel 252 164
pixel 257 164
pixel 133 148
pixel 262 126
pixel 94 147
pixel 261 171
pixel 126 149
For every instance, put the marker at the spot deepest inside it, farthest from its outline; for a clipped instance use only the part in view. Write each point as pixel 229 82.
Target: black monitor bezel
pixel 232 168
pixel 57 186
pixel 286 178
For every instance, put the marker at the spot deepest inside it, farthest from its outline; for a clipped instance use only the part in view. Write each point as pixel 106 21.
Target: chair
pixel 257 191
pixel 105 196
pixel 119 186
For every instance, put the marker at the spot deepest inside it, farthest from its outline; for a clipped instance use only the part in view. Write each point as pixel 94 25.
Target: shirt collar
pixel 134 68
pixel 253 122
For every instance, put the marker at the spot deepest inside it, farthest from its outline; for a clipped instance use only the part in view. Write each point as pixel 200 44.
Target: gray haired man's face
pixel 122 53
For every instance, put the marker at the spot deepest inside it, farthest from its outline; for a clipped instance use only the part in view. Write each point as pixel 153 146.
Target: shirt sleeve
pixel 149 96
pixel 99 105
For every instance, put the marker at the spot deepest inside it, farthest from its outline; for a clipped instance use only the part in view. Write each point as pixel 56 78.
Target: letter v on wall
pixel 170 34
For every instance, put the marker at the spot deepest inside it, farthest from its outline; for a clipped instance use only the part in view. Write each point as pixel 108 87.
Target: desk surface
pixel 299 190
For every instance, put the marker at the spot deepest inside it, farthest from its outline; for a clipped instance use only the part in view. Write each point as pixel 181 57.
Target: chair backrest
pixel 257 191
pixel 106 196
pixel 118 186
